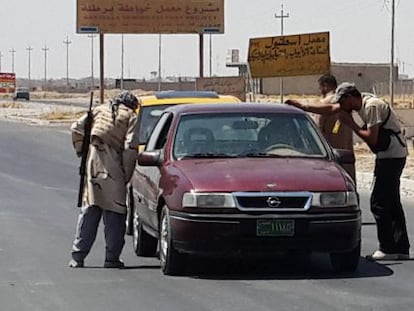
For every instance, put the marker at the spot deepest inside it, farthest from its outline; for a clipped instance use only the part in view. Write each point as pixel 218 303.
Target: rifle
pixel 85 151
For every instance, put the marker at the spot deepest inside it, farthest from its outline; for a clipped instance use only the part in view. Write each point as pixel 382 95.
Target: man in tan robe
pixel 110 164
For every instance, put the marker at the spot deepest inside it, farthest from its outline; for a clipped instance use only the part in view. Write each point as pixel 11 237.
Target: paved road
pixel 38 184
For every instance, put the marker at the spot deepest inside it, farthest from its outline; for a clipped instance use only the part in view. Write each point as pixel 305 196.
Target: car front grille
pixel 273 201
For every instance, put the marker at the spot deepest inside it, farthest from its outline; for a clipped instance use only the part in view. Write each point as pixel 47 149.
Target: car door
pixel 146 178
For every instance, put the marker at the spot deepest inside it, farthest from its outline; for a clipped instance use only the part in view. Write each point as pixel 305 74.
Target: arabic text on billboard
pixel 7 82
pixel 156 16
pixel 295 55
pixel 235 86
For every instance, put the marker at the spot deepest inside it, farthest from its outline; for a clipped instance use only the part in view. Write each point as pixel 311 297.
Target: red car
pixel 245 177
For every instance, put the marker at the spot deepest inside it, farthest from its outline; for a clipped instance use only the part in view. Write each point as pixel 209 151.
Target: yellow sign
pixel 295 55
pixel 150 16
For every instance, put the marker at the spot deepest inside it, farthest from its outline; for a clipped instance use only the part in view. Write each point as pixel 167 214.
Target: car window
pixel 149 116
pixel 159 134
pixel 247 134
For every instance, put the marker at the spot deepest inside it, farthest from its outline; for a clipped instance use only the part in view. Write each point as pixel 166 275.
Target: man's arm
pixel 369 135
pixel 321 106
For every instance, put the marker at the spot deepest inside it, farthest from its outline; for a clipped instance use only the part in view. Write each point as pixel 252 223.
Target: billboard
pixel 235 86
pixel 7 82
pixel 294 55
pixel 150 16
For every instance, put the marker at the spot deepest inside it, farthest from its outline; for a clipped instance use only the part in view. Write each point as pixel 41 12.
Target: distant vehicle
pixel 242 178
pixel 22 93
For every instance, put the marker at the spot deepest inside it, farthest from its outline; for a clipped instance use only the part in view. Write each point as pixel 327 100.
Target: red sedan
pixel 242 178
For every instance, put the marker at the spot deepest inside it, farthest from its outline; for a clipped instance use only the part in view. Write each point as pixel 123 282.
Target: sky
pixel 360 31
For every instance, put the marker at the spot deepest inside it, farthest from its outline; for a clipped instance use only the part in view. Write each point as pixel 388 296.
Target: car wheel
pixel 144 244
pixel 172 262
pixel 346 261
pixel 129 215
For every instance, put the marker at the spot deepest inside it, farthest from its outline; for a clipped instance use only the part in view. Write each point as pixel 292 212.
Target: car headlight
pixel 335 199
pixel 218 200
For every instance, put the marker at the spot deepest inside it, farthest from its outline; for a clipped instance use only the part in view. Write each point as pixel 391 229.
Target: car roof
pixel 185 97
pixel 234 107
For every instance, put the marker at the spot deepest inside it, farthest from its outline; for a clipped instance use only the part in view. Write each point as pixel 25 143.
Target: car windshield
pixel 149 117
pixel 247 135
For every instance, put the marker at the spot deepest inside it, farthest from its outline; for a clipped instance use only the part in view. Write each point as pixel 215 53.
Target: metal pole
pixel 45 49
pixel 159 61
pixel 12 51
pixel 92 78
pixel 122 62
pixel 392 53
pixel 29 49
pixel 67 42
pixel 201 55
pixel 211 55
pixel 281 16
pixel 101 67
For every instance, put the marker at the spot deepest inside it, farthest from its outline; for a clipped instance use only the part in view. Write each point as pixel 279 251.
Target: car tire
pixel 144 244
pixel 172 262
pixel 346 261
pixel 129 214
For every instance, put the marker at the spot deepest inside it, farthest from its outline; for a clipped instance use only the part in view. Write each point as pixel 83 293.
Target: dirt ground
pixel 42 113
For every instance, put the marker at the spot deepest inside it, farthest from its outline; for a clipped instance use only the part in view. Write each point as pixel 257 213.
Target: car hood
pixel 259 174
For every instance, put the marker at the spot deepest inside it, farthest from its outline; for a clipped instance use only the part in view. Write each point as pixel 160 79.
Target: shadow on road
pixel 315 266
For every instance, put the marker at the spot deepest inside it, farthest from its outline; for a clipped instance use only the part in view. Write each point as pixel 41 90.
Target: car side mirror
pixel 344 156
pixel 150 158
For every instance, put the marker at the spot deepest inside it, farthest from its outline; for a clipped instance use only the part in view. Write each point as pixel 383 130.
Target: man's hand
pixel 295 103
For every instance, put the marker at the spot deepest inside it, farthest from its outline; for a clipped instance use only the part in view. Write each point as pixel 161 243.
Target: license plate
pixel 275 227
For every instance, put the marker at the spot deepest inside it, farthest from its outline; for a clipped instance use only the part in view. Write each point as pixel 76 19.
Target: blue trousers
pixel 87 227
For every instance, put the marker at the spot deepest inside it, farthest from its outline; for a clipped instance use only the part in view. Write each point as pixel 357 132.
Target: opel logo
pixel 273 202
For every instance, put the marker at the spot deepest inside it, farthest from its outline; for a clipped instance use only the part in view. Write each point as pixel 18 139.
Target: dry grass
pixel 11 105
pixel 61 115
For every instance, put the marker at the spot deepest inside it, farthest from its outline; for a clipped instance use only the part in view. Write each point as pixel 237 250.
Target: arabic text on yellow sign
pixel 155 16
pixel 295 55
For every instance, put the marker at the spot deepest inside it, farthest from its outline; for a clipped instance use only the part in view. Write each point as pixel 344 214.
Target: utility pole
pixel 1 56
pixel 159 62
pixel 282 16
pixel 12 51
pixel 29 50
pixel 67 42
pixel 92 78
pixel 392 53
pixel 122 62
pixel 45 49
